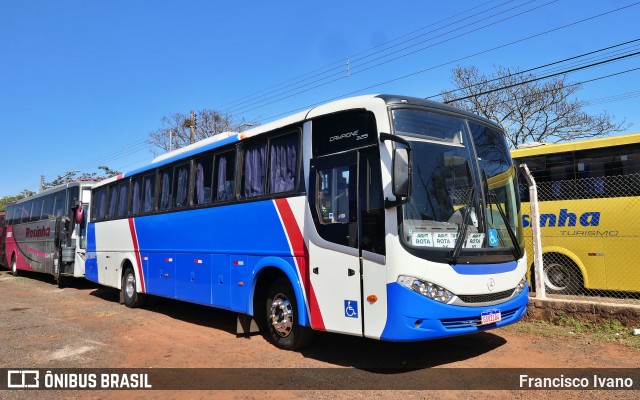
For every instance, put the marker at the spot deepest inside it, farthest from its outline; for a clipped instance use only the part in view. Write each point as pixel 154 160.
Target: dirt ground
pixel 84 326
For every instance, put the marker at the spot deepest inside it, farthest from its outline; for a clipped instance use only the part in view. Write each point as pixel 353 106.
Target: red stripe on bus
pixel 134 237
pixel 301 253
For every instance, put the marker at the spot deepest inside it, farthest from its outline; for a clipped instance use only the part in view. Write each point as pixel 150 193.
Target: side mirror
pixel 79 215
pixel 401 172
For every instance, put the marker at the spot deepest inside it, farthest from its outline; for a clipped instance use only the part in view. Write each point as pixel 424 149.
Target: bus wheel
pixel 282 319
pixel 132 298
pixel 561 275
pixel 61 281
pixel 14 267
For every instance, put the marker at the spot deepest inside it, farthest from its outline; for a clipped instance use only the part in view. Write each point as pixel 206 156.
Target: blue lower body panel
pixel 412 316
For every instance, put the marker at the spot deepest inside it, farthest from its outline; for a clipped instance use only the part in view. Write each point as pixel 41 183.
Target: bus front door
pixel 334 260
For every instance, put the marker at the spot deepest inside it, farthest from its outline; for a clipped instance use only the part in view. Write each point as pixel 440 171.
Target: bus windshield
pixel 464 190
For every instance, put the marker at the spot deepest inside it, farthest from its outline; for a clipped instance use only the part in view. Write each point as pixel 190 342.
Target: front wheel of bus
pixel 561 275
pixel 282 318
pixel 132 298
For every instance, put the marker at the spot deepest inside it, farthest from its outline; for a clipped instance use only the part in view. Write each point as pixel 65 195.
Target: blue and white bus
pixel 386 217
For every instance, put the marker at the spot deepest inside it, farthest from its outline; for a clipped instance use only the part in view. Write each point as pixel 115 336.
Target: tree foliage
pixel 9 199
pixel 175 131
pixel 74 176
pixel 528 109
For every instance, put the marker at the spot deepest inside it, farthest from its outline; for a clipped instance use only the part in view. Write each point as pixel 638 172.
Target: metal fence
pixel 589 238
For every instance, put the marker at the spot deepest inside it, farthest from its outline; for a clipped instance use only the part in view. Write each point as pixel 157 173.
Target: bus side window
pixel 47 207
pixel 136 196
pixel 180 185
pixel 148 194
pixel 203 180
pixel 37 209
pixel 25 216
pixel 113 201
pixel 283 163
pixel 59 203
pixel 254 171
pixel 165 189
pixel 225 165
pixel 123 193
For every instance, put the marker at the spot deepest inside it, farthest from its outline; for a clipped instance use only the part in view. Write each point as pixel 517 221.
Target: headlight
pixel 427 289
pixel 521 285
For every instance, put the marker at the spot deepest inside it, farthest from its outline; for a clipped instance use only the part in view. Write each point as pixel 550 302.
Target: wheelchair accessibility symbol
pixel 351 309
pixel 493 238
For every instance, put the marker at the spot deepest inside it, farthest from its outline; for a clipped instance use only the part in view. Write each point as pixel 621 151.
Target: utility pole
pixel 192 127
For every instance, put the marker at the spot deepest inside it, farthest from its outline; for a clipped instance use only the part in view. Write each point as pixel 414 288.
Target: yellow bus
pixel 589 198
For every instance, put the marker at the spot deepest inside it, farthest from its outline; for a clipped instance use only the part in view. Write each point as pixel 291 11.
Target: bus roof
pixel 548 148
pixel 55 189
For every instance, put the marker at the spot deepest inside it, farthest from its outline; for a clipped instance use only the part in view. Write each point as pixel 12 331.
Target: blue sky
pixel 82 83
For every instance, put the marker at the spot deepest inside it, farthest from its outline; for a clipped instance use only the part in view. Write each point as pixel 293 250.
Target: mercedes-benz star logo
pixel 491 284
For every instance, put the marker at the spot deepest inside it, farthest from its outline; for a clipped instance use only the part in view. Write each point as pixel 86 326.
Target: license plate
pixel 490 317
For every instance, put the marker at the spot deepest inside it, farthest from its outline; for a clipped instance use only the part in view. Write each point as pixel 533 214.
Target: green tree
pixel 9 199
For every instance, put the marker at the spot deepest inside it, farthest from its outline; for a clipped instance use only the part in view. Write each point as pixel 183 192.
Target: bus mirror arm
pixel 401 171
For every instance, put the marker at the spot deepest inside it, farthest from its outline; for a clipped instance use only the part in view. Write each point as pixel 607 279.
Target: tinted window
pixel 180 185
pixel 47 206
pixel 99 204
pixel 60 203
pixel 283 163
pixel 225 167
pixel 123 193
pixel 113 201
pixel 36 210
pixel 136 196
pixel 164 193
pixel 203 180
pixel 25 209
pixel 254 171
pixel 148 194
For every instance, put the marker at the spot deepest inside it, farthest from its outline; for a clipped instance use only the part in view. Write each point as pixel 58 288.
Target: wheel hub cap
pixel 281 315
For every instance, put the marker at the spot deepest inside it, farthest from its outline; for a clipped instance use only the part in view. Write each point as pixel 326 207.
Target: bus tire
pixel 561 275
pixel 61 280
pixel 284 331
pixel 132 298
pixel 14 267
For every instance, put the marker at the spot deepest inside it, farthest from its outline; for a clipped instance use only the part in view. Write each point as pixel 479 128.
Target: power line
pixel 450 62
pixel 542 77
pixel 610 99
pixel 536 68
pixel 340 76
pixel 340 63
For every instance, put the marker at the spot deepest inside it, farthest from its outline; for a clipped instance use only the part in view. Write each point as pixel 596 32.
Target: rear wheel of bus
pixel 14 267
pixel 561 275
pixel 132 298
pixel 284 330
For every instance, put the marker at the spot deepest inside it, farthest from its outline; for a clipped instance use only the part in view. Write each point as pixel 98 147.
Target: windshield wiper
pixel 512 235
pixel 462 228
pixel 493 198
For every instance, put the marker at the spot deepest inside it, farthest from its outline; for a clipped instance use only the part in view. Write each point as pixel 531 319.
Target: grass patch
pixel 567 326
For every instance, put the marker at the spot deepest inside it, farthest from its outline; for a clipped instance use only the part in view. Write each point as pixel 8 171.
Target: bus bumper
pixel 412 317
